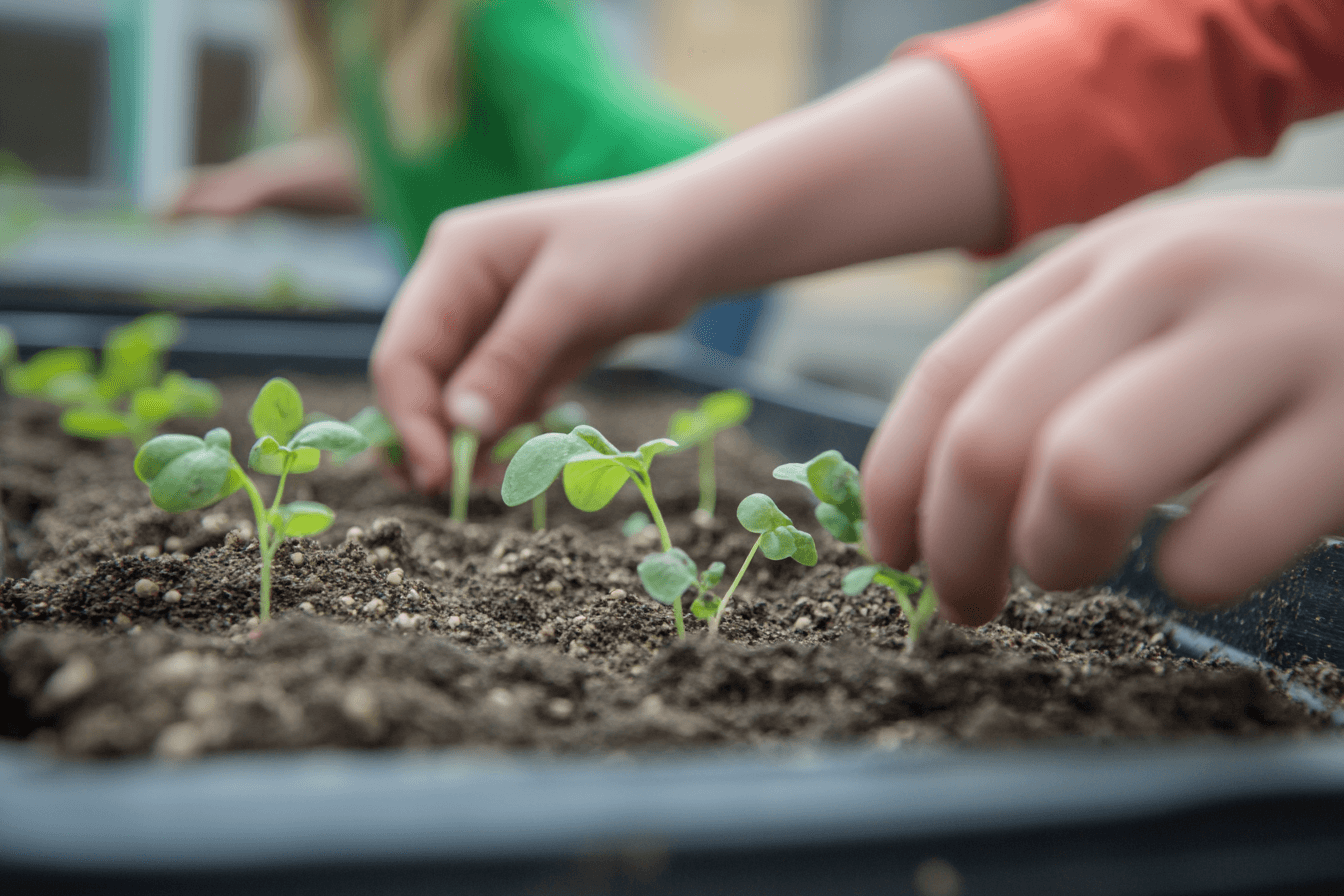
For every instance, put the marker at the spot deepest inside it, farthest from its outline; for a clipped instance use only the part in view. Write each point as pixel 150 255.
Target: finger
pixel 447 300
pixel 1269 503
pixel 1150 426
pixel 895 462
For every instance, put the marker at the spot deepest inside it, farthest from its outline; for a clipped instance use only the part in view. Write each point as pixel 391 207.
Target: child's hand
pixel 1164 346
pixel 512 299
pixel 317 174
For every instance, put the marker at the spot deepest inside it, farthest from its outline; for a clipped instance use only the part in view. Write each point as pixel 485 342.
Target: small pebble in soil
pixel 560 709
pixel 147 588
pixel 347 600
pixel 405 620
pixel 253 621
pixel 173 544
pixel 71 680
pixel 702 519
pixel 297 558
pixel 383 553
pixel 308 607
pixel 122 620
pixel 454 621
pixel 396 576
pixel 172 596
pixel 354 533
pixel 181 556
pixel 803 623
pixel 579 619
pixel 554 587
pixel 375 607
pixel 545 633
pixel 578 649
pixel 149 551
pixel 617 594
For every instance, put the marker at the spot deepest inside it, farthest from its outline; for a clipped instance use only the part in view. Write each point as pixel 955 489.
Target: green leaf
pixel 32 377
pixel 278 410
pixel 536 465
pixel 778 543
pixel 688 428
pixel 329 435
pixel 651 449
pixel 564 417
pixel 219 438
pixel 805 548
pixel 834 521
pixel 925 610
pixel 667 575
pixel 306 460
pixel 377 429
pixel 730 407
pixel 94 423
pixel 151 405
pixel 712 576
pixel 858 579
pixel 190 480
pixel 513 440
pixel 592 480
pixel 300 518
pixel 758 513
pixel 636 523
pixel 73 387
pixel 594 439
pixel 832 478
pixel 705 606
pixel 267 456
pixel 190 397
pixel 133 354
pixel 793 473
pixel 897 581
pixel 160 451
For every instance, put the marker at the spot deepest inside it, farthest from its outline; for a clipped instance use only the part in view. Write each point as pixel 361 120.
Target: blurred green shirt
pixel 541 105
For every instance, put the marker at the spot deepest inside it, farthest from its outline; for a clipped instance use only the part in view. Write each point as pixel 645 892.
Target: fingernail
pixel 470 409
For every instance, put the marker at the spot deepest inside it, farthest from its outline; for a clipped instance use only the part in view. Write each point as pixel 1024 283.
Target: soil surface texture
pixel 127 630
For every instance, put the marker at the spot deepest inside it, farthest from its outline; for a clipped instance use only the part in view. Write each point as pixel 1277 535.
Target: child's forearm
pixel 899 162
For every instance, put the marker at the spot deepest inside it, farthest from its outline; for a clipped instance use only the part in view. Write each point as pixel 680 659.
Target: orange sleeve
pixel 1092 103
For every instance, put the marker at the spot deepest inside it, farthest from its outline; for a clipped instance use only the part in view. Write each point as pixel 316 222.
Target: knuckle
pixel 941 374
pixel 1084 478
pixel 980 457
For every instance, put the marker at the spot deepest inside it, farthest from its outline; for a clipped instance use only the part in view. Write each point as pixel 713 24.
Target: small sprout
pixel 835 483
pixel 667 575
pixel 187 473
pixel 717 412
pixel 593 471
pixel 562 419
pixel 128 396
pixel 463 449
pixel 635 523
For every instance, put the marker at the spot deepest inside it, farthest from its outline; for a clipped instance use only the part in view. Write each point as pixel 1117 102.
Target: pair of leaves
pixel 668 574
pixel 178 395
pixel 594 470
pixel 778 536
pixel 377 430
pixel 69 368
pixel 860 578
pixel 835 482
pixel 717 411
pixel 133 354
pixel 284 442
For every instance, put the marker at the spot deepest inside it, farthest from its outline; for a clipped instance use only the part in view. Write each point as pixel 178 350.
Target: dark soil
pixel 130 630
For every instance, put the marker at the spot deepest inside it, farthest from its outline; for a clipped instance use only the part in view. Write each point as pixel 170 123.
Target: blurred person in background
pixel 1167 345
pixel 417 106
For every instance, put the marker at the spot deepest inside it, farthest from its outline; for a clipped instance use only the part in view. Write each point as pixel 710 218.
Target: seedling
pixel 717 412
pixel 666 576
pixel 463 449
pixel 593 471
pixel 561 418
pixel 128 395
pixel 187 473
pixel 835 482
pixel 375 427
pixel 378 432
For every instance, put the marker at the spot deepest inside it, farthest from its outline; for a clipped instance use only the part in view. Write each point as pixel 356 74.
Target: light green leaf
pixel 32 377
pixel 306 460
pixel 758 513
pixel 705 606
pixel 834 521
pixel 712 576
pixel 725 409
pixel 219 438
pixel 592 480
pixel 594 439
pixel 94 423
pixel 805 548
pixel 667 575
pixel 278 410
pixel 301 518
pixel 897 581
pixel 73 387
pixel 152 405
pixel 267 456
pixel 793 473
pixel 778 543
pixel 158 452
pixel 651 449
pixel 536 465
pixel 858 579
pixel 330 435
pixel 191 480
pixel 688 428
pixel 190 397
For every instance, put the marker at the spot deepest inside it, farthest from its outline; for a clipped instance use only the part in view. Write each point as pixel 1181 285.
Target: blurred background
pixel 106 104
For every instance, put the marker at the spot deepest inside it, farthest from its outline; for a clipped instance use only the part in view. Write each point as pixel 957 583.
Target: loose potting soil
pixel 128 630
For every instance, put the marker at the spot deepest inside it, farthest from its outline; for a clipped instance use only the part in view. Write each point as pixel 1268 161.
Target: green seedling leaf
pixel 278 411
pixel 651 449
pixel 712 576
pixel 689 428
pixel 835 521
pixel 94 423
pixel 133 354
pixel 728 408
pixel 777 544
pixel 537 463
pixel 184 472
pixel 793 473
pixel 300 518
pixel 592 480
pixel 858 579
pixel 706 606
pixel 270 457
pixel 667 575
pixel 190 397
pixel 72 388
pixel 32 377
pixel 152 405
pixel 329 435
pixel 635 523
pixel 514 439
pixel 595 440
pixel 804 547
pixel 897 581
pixel 377 429
pixel 757 513
pixel 832 478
